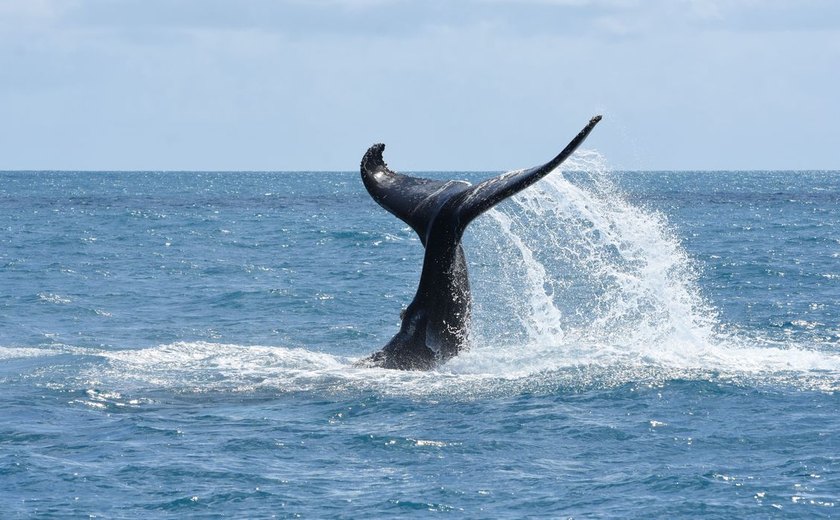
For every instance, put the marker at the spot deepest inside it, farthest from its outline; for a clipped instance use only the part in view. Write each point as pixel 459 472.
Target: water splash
pixel 596 281
pixel 595 265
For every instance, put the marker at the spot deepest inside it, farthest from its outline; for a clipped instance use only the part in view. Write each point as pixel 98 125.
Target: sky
pixel 451 85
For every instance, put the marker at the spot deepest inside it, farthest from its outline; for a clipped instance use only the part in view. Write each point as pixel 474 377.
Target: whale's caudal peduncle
pixel 435 324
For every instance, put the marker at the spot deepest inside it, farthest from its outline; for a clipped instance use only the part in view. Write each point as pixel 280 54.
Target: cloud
pixel 404 19
pixel 29 9
pixel 460 83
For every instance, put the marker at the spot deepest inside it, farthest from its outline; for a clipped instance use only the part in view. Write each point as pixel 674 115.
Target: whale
pixel 435 325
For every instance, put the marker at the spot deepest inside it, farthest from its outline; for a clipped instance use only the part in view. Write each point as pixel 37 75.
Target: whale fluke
pixel 435 324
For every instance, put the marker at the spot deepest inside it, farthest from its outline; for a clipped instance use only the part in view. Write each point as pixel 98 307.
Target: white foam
pixel 26 352
pixel 484 371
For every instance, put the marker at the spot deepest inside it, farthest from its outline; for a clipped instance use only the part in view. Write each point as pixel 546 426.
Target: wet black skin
pixel 435 325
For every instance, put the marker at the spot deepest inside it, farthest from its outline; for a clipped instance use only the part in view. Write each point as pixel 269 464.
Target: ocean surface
pixel 644 345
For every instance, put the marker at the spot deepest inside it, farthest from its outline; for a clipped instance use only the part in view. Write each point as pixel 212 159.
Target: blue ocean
pixel 644 345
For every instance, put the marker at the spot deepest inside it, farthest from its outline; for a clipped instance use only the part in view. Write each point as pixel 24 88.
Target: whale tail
pixel 435 325
pixel 417 201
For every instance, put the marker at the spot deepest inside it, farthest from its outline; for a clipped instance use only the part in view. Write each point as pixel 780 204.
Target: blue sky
pixel 447 85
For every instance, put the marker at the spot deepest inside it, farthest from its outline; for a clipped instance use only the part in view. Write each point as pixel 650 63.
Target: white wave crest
pixel 7 353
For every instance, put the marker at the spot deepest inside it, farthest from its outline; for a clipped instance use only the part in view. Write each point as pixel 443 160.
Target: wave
pixel 9 353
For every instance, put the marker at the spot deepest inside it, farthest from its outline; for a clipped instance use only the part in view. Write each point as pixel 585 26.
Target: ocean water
pixel 645 344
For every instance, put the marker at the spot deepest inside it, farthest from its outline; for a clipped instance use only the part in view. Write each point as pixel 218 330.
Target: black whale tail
pixel 435 325
pixel 417 201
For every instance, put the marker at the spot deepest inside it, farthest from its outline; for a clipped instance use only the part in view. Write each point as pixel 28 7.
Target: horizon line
pixel 615 170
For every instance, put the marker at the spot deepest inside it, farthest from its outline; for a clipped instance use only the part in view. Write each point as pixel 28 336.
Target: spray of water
pixel 580 265
pixel 595 281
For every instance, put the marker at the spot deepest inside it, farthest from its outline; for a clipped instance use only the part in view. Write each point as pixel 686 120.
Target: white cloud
pixel 27 14
pixel 269 84
pixel 28 8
